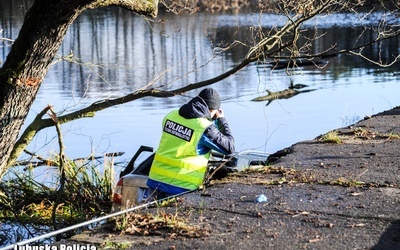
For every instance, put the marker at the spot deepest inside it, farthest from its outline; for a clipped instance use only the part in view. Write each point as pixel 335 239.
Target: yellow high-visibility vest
pixel 176 161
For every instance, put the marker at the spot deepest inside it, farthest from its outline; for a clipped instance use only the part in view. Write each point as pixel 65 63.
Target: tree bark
pixel 31 55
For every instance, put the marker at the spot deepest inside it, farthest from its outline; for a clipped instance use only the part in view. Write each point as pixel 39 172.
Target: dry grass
pixel 331 137
pixel 165 224
pixel 86 193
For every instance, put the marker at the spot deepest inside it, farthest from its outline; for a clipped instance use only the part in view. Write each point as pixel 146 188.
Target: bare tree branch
pixel 62 163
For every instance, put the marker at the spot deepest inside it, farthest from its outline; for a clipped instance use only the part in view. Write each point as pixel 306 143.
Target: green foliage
pixel 115 245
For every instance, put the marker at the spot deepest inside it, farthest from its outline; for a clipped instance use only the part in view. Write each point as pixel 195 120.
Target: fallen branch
pixel 47 162
pixel 283 94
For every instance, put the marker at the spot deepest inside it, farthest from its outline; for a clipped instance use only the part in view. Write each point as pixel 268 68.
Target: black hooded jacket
pixel 217 136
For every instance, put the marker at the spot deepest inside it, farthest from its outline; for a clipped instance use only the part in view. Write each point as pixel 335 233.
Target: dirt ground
pixel 320 195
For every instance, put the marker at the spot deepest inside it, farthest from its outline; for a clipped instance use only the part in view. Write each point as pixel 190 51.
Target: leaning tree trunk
pixel 30 57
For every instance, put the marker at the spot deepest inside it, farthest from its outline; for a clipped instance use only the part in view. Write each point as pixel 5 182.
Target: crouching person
pixel 188 136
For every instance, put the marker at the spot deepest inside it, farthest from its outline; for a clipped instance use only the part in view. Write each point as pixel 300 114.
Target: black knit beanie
pixel 211 97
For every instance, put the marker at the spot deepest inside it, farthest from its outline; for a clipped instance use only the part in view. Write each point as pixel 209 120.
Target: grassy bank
pixel 78 192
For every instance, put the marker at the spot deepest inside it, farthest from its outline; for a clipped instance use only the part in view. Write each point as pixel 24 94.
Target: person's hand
pixel 220 113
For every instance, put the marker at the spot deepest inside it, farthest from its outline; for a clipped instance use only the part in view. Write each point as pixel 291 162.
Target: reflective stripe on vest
pixel 176 161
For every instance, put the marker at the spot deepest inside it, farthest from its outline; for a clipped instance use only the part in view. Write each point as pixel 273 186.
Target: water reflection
pixel 120 52
pixel 130 52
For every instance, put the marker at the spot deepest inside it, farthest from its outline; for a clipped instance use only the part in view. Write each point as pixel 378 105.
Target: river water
pixel 116 52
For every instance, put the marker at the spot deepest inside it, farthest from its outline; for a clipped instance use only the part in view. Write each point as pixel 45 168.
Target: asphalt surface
pixel 319 195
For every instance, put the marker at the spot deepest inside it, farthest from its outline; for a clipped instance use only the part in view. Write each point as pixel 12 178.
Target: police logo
pixel 178 130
